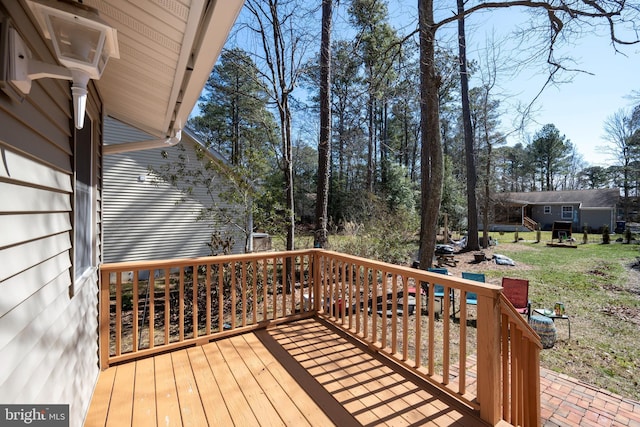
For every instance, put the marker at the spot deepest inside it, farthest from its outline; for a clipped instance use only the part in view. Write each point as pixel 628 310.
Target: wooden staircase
pixel 529 223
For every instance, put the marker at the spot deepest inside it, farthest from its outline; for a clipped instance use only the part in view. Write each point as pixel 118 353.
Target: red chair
pixel 517 292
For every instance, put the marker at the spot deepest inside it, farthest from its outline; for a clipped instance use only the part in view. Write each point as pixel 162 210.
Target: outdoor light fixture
pixel 83 44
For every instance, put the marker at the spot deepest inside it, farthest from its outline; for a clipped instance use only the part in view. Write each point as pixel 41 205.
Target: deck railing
pixel 483 354
pixel 529 223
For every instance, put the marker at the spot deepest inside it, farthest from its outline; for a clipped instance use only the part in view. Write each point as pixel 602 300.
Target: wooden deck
pixel 296 374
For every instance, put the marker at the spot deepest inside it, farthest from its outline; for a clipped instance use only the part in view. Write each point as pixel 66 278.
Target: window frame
pixel 567 208
pixel 84 202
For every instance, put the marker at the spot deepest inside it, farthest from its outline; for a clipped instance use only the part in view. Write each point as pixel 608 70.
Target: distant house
pixel 145 217
pixel 591 208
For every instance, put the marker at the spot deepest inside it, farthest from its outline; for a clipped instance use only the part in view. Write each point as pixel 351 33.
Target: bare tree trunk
pixel 432 159
pixel 487 199
pixel 370 147
pixel 324 146
pixel 472 207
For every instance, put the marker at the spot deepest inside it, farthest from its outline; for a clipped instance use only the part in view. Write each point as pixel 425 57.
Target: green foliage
pixel 400 191
pixel 373 240
pixel 550 151
pixel 606 237
pixel 453 197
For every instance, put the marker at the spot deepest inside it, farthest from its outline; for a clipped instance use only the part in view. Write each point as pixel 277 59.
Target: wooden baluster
pixel 418 320
pixel 152 308
pixel 374 305
pixel 244 294
pixel 134 313
pixel 234 308
pixel 167 305
pixel 265 288
pixel 194 292
pixel 356 270
pixel 118 314
pixel 221 297
pixel 446 335
pixel 254 282
pixel 462 360
pixel 405 318
pixel 394 314
pixel 207 284
pixel 105 317
pixel 181 305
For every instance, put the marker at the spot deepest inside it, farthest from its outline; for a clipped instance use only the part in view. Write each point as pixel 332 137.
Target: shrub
pixel 606 238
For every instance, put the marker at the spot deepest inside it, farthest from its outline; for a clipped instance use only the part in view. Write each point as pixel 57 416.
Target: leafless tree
pixel 624 148
pixel 279 28
pixel 552 22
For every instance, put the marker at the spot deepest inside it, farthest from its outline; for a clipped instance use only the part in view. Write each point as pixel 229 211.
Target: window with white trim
pixel 547 210
pixel 567 212
pixel 83 217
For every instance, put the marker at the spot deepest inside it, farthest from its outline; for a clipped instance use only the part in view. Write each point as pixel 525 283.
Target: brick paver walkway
pixel 566 401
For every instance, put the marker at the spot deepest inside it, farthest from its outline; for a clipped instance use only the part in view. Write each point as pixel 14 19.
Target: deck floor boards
pixel 297 374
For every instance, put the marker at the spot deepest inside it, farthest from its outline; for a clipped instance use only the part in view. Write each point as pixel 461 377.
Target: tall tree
pixel 234 120
pixel 624 147
pixel 550 150
pixel 431 155
pixel 278 28
pixel 485 124
pixel 374 41
pixel 472 206
pixel 233 115
pixel 324 145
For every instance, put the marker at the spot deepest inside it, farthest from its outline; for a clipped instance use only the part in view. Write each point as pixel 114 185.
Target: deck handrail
pixel 222 282
pixel 194 301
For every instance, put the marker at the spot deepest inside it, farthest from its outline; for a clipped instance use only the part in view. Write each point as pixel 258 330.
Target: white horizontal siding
pixel 48 340
pixel 148 219
pixel 21 228
pixel 22 169
pixel 32 253
pixel 63 367
pixel 18 198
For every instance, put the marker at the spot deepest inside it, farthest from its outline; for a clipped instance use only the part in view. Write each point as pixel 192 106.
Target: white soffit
pixel 167 51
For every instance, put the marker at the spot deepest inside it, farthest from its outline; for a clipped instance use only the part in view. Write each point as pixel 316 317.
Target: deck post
pixel 103 327
pixel 489 358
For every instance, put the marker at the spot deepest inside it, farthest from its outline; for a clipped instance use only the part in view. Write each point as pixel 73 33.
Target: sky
pixel 579 107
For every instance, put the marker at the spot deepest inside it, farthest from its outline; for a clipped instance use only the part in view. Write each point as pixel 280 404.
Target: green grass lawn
pixel 602 296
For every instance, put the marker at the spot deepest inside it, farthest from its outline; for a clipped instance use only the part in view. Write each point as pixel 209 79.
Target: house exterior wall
pixel 596 218
pixel 546 219
pixel 147 218
pixel 48 317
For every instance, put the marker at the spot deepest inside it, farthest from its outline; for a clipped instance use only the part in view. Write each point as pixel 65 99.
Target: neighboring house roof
pixel 587 199
pixel 117 132
pixel 167 51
